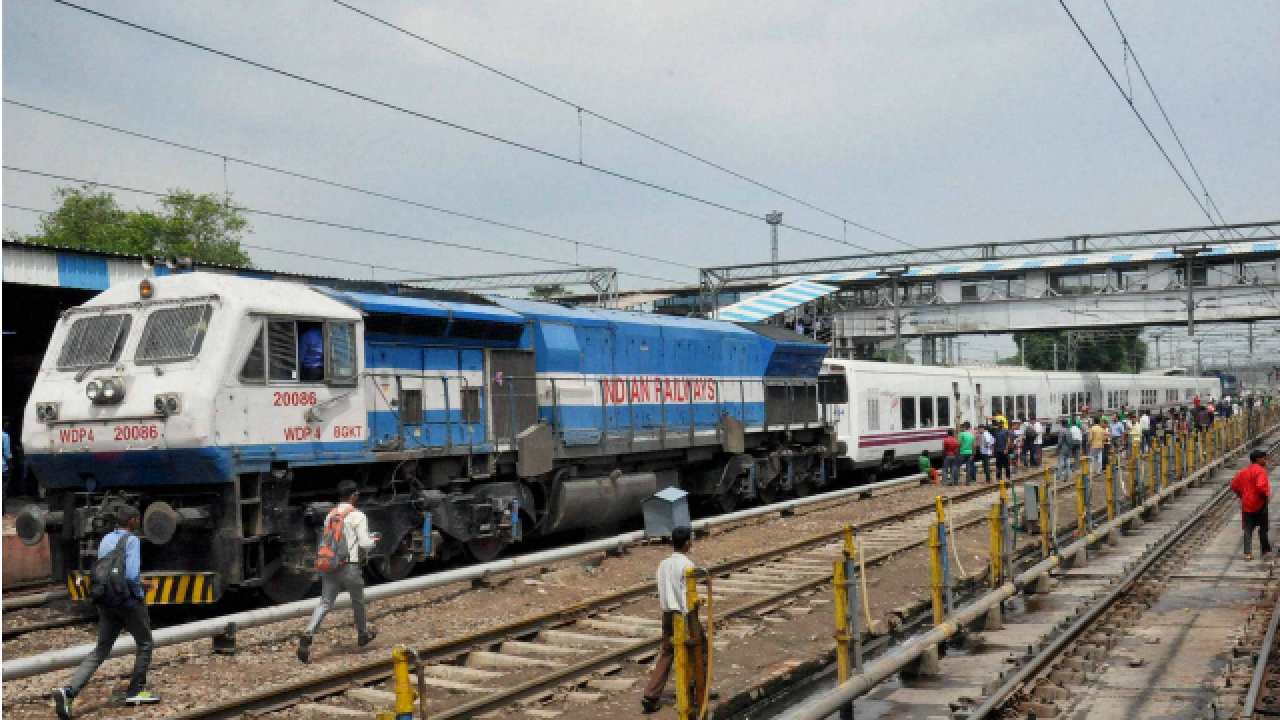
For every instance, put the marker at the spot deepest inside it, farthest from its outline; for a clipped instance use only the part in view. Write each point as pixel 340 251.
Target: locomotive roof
pixel 254 294
pixel 601 316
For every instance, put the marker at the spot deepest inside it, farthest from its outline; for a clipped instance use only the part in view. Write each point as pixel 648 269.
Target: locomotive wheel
pixel 767 493
pixel 284 586
pixel 395 566
pixel 485 549
pixel 801 489
pixel 727 500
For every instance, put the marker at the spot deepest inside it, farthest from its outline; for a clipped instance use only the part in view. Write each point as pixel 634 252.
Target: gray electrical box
pixel 1031 499
pixel 665 511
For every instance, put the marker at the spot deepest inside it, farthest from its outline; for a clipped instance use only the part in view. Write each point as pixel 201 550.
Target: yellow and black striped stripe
pixel 170 589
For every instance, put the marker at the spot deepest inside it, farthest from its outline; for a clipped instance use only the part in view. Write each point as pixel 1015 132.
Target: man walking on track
pixel 116 589
pixel 345 542
pixel 1254 489
pixel 673 601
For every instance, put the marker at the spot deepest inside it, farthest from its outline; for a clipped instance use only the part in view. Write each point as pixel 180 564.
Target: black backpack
pixel 108 587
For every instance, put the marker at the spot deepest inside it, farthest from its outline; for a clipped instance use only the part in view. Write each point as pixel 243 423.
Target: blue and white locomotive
pixel 228 408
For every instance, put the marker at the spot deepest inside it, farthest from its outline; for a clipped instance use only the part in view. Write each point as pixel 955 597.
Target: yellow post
pixel 848 541
pixel 1082 528
pixel 1133 479
pixel 1111 492
pixel 935 574
pixel 942 513
pixel 406 696
pixel 841 584
pixel 682 637
pixel 997 545
pixel 1166 456
pixel 1151 472
pixel 680 641
pixel 1004 493
pixel 1045 530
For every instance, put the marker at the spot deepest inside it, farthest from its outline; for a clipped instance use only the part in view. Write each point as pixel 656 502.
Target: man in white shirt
pixel 987 446
pixel 1147 432
pixel 672 599
pixel 348 577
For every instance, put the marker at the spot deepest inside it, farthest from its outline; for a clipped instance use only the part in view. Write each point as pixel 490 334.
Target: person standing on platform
pixel 967 441
pixel 672 600
pixel 122 606
pixel 950 459
pixel 987 447
pixel 1254 490
pixel 1001 442
pixel 1064 450
pixel 1037 446
pixel 348 529
pixel 1097 446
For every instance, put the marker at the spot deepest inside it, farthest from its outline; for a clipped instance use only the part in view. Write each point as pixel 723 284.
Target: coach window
pixel 1065 408
pixel 1008 407
pixel 926 412
pixel 997 405
pixel 944 411
pixel 1021 406
pixel 833 389
pixel 1031 408
pixel 908 413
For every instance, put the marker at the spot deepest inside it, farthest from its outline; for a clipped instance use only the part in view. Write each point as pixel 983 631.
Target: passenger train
pixel 887 414
pixel 228 408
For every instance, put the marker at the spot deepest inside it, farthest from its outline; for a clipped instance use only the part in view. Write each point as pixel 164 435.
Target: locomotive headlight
pixel 110 390
pixel 167 404
pixel 93 390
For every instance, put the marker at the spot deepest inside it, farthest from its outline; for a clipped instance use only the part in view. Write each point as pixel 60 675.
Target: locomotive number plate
pixel 143 434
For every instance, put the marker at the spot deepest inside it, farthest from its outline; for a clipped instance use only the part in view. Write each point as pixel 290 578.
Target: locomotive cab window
pixel 308 351
pixel 94 341
pixel 173 334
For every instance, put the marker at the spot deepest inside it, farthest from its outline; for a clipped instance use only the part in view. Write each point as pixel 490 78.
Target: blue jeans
pixel 972 469
pixel 1064 462
pixel 951 470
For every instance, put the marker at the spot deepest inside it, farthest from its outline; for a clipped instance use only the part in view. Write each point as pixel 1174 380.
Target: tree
pixel 205 228
pixel 1114 351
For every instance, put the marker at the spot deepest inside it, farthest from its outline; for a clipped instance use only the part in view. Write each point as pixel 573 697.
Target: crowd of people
pixel 1006 445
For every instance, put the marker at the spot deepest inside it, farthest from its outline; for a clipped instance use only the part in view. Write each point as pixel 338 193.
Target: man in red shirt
pixel 1254 489
pixel 950 459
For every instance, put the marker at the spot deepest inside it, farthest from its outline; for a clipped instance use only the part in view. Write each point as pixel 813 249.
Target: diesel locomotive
pixel 228 408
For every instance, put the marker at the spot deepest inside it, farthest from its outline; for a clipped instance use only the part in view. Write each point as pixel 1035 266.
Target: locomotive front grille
pixel 171 588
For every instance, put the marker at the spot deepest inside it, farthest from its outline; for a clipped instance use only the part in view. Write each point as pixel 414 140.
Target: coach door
pixel 1093 391
pixel 513 393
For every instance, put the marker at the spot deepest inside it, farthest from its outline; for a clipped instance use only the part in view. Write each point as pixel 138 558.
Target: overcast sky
pixel 936 122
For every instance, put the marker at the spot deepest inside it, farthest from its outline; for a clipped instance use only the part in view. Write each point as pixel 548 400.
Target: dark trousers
pixel 986 466
pixel 970 468
pixel 110 623
pixel 1002 465
pixel 1255 520
pixel 662 668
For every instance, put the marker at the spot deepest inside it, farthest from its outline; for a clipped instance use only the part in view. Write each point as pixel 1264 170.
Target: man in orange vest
pixel 1254 489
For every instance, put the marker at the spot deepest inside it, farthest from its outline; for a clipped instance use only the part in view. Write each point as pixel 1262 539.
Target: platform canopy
pixel 778 300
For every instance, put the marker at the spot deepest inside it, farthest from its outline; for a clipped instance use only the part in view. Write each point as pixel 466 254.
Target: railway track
pixel 1141 629
pixel 592 648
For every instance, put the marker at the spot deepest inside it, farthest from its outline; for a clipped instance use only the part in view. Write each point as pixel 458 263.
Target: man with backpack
pixel 345 541
pixel 116 587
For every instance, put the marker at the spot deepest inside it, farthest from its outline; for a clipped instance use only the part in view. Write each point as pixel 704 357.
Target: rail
pixel 70 657
pixel 1264 653
pixel 910 651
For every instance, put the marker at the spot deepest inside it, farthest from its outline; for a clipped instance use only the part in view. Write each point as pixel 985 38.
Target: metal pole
pixel 1055 357
pixel 774 219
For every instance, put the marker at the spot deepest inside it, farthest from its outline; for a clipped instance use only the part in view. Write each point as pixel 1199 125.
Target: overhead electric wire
pixel 330 224
pixel 1129 48
pixel 1132 107
pixel 606 119
pixel 445 123
pixel 335 184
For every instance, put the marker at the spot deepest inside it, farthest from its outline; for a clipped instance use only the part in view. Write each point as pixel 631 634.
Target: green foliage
pixel 890 354
pixel 205 228
pixel 1109 353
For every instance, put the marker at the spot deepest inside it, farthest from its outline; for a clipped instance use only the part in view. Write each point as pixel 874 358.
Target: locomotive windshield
pixel 173 334
pixel 93 341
